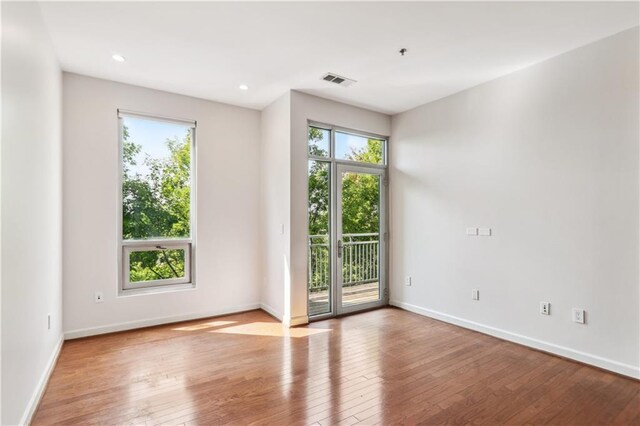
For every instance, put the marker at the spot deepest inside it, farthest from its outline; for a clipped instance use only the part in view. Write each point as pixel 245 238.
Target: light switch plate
pixel 472 231
pixel 484 232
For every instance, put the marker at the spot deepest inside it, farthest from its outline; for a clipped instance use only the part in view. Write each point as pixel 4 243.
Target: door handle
pixel 339 248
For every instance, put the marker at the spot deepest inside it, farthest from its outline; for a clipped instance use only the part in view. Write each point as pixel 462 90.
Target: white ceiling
pixel 208 49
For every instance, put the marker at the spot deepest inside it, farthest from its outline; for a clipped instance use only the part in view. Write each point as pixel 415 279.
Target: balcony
pixel 360 266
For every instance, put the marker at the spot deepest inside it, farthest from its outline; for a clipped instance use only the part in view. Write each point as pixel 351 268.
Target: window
pixel 363 149
pixel 328 143
pixel 319 141
pixel 157 202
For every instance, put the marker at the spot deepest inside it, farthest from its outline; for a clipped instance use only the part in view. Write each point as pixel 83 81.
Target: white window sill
pixel 171 288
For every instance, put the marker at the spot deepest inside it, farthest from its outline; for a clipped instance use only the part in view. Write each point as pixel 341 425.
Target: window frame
pixel 126 247
pixel 332 158
pixel 132 246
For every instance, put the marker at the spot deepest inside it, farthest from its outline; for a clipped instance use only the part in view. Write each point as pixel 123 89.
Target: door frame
pixel 334 164
pixel 336 235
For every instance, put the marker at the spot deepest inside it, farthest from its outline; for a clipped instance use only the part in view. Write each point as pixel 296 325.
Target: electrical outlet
pixel 48 321
pixel 472 231
pixel 578 315
pixel 407 281
pixel 545 308
pixel 475 294
pixel 98 297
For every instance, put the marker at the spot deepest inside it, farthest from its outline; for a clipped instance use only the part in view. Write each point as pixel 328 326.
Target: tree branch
pixel 175 274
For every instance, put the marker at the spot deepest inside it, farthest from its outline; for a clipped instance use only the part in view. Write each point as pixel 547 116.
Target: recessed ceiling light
pixel 118 58
pixel 243 87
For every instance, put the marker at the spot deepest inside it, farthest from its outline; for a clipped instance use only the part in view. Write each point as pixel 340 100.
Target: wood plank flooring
pixel 380 367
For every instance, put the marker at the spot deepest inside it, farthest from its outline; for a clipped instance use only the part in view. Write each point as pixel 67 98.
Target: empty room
pixel 320 213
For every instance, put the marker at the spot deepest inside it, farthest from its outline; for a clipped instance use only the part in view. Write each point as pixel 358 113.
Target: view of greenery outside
pixel 156 265
pixel 360 192
pixel 360 206
pixel 156 204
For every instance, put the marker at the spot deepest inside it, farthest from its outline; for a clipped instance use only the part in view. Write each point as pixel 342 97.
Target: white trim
pixel 42 384
pixel 156 117
pixel 131 325
pixel 595 360
pixel 268 309
pixel 156 290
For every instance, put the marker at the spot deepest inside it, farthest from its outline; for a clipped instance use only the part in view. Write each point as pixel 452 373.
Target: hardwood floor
pixel 380 367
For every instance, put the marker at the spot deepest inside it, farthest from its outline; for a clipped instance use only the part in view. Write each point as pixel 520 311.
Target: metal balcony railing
pixel 360 260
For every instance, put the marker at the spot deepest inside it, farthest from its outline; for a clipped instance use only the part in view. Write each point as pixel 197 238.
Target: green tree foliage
pixel 360 192
pixel 318 186
pixel 156 204
pixel 316 136
pixel 156 265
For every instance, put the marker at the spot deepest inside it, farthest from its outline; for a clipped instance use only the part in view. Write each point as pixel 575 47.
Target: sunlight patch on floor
pixel 270 329
pixel 203 326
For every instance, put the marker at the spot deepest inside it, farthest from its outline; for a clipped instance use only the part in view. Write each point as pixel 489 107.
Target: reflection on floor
pixel 352 295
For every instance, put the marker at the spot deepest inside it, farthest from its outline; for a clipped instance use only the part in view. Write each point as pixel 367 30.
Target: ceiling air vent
pixel 334 78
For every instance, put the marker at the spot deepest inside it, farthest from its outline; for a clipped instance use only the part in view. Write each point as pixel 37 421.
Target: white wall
pixel 31 209
pixel 548 158
pixel 275 172
pixel 228 190
pixel 306 107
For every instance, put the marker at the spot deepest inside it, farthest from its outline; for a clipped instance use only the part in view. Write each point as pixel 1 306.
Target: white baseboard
pixel 42 384
pixel 300 320
pixel 289 322
pixel 131 325
pixel 607 364
pixel 268 309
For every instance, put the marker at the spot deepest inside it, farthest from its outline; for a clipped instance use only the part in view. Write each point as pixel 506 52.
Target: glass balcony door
pixel 360 250
pixel 346 255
